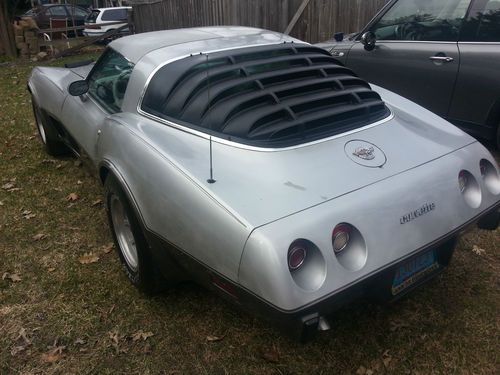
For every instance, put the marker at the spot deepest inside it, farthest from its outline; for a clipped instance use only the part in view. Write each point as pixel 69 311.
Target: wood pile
pixel 26 34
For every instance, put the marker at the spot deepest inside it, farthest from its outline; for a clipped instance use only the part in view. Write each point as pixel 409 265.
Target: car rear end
pixel 382 240
pixel 102 20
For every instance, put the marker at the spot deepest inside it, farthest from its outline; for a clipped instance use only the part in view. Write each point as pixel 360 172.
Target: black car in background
pixel 442 54
pixel 74 15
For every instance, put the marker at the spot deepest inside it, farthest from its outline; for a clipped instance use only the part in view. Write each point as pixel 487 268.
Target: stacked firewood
pixel 26 33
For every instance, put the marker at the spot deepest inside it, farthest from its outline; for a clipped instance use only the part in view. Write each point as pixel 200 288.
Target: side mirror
pixel 78 88
pixel 369 39
pixel 339 37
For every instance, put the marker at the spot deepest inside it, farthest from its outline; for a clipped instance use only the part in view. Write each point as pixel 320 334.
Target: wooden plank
pixel 296 16
pixel 90 41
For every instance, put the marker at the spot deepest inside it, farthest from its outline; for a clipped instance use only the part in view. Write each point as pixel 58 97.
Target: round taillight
pixel 470 189
pixel 340 237
pixel 296 256
pixel 490 176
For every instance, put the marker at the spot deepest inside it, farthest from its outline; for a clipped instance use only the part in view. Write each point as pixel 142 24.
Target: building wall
pixel 319 21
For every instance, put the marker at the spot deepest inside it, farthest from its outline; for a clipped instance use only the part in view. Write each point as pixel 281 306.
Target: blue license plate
pixel 414 270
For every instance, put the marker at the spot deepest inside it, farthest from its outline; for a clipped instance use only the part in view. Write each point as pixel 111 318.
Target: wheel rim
pixel 123 232
pixel 39 124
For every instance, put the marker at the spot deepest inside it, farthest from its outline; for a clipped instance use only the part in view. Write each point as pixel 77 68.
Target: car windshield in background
pixel 425 20
pixel 92 17
pixel 114 15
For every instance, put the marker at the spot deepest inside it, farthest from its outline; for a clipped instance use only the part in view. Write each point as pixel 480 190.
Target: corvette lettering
pixel 426 208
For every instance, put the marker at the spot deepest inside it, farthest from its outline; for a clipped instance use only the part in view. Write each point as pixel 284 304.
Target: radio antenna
pixel 211 180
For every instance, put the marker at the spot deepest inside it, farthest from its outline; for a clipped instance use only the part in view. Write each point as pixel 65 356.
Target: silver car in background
pixel 443 55
pixel 258 166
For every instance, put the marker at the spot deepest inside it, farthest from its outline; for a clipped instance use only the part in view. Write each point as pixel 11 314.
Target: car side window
pixel 114 15
pixel 109 79
pixel 483 22
pixel 424 20
pixel 78 12
pixel 58 11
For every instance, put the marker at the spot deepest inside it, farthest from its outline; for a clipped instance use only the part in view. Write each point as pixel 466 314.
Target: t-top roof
pixel 266 96
pixel 134 47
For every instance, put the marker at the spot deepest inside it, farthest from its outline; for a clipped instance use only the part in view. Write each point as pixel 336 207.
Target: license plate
pixel 414 270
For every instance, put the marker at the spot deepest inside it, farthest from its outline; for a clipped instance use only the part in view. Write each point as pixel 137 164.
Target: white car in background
pixel 95 23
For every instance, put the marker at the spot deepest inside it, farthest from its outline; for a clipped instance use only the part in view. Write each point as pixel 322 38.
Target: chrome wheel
pixel 39 124
pixel 123 232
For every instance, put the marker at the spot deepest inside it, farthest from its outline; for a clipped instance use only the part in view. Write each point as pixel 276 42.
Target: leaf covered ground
pixel 66 306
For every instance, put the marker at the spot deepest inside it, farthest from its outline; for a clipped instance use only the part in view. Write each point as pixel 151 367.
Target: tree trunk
pixel 6 31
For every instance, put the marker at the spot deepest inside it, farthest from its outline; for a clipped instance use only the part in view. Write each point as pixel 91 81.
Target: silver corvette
pixel 260 167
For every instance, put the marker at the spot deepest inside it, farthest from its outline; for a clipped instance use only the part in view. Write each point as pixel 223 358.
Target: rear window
pixel 271 96
pixel 114 15
pixel 92 17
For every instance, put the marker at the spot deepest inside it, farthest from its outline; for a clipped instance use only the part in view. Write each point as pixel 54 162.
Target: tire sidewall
pixel 53 146
pixel 143 276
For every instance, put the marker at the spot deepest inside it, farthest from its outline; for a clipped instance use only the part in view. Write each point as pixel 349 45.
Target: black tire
pixel 144 274
pixel 47 133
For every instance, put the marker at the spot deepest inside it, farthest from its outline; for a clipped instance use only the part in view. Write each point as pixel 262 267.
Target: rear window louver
pixel 271 96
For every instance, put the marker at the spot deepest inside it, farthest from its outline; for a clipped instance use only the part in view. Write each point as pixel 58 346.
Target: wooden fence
pixel 319 21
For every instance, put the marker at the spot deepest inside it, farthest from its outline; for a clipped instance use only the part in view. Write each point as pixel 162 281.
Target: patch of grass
pixel 66 317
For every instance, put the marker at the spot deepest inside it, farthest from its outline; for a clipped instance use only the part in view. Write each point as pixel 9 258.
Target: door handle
pixel 445 59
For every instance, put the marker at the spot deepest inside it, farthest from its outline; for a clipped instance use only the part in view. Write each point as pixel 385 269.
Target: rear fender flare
pixel 105 168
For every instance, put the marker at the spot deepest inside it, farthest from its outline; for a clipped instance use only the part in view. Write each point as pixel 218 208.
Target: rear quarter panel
pixel 172 203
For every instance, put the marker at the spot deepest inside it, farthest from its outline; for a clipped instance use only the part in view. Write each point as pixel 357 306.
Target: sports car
pixel 260 167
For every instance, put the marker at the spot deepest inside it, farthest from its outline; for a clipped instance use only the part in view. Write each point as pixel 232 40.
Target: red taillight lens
pixel 340 237
pixel 296 256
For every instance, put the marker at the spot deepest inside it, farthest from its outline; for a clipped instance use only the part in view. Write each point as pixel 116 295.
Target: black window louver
pixel 270 96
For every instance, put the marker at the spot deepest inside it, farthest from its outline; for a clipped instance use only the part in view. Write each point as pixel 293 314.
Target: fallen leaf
pixel 211 338
pixel 80 341
pixel 477 250
pixel 386 358
pixel 8 186
pixel 88 258
pixel 14 277
pixel 51 269
pixel 23 335
pixel 271 355
pixel 39 236
pixel 147 349
pixel 17 349
pixel 369 372
pixel 27 214
pixel 396 325
pixel 115 338
pixel 79 182
pixel 106 249
pixel 72 197
pixel 361 370
pixel 96 202
pixel 140 335
pixel 1 203
pixel 59 166
pixel 54 355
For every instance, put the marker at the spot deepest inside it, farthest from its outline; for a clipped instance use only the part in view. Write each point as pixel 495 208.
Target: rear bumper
pixel 303 323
